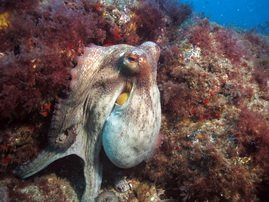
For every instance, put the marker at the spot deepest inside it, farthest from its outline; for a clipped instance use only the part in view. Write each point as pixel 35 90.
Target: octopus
pixel 114 103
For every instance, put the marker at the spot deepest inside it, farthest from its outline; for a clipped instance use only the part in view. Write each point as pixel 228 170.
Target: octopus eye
pixel 131 64
pixel 132 58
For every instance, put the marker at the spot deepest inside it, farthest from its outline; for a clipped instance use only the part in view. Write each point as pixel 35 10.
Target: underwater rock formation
pixel 213 83
pixel 215 116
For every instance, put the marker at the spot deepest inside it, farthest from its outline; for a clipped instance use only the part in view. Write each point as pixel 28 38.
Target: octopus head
pixel 132 127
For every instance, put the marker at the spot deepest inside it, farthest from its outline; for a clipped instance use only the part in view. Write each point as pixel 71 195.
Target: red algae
pixel 214 117
pixel 214 95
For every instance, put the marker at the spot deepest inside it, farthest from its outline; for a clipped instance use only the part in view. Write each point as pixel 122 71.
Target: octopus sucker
pixel 67 138
pixel 114 103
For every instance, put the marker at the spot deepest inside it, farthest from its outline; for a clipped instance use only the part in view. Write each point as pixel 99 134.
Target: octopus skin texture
pixel 114 102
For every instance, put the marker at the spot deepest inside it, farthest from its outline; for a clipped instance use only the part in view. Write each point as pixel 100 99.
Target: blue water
pixel 244 14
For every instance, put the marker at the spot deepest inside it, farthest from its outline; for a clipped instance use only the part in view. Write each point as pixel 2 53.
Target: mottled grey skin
pixel 90 116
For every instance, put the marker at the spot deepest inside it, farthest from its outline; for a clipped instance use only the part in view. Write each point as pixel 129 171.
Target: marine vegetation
pixel 215 116
pixel 213 81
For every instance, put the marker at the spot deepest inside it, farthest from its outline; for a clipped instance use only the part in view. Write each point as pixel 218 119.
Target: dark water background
pixel 244 14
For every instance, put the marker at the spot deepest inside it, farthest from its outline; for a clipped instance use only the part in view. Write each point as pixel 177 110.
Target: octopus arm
pixel 50 155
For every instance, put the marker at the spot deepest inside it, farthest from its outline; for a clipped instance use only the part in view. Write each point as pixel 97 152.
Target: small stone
pixel 121 184
pixel 107 196
pixel 4 193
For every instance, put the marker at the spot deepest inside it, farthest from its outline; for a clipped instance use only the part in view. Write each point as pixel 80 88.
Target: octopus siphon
pixel 114 103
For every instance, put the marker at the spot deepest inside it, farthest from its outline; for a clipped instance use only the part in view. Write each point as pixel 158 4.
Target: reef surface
pixel 214 88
